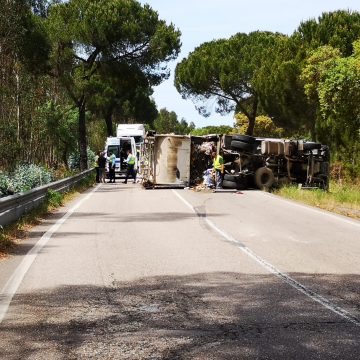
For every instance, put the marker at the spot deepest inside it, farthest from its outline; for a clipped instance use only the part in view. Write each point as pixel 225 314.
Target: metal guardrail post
pixel 14 206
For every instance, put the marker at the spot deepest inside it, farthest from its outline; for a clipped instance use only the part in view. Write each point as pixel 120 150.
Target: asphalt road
pixel 128 273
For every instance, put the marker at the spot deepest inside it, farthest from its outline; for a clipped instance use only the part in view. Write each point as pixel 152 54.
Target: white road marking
pixel 12 285
pixel 272 269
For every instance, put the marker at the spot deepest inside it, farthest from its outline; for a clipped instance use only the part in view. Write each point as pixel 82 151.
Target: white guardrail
pixel 14 206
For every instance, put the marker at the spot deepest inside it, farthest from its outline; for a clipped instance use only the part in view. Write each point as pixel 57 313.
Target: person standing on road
pixel 130 169
pixel 218 166
pixel 112 159
pixel 102 164
pixel 96 165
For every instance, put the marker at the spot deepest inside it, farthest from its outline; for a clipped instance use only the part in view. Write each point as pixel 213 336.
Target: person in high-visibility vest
pixel 218 165
pixel 130 169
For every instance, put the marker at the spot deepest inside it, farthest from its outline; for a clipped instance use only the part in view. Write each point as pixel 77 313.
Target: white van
pixel 119 146
pixel 137 131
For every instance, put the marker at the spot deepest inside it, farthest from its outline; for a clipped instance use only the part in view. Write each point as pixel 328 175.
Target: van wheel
pixel 242 146
pixel 227 184
pixel 264 178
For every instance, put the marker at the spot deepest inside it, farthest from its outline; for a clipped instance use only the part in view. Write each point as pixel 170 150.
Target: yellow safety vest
pixel 218 163
pixel 131 161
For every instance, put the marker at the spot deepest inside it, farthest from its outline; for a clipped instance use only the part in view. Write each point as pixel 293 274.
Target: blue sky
pixel 206 20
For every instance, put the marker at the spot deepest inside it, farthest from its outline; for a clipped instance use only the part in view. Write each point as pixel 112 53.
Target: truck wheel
pixel 227 141
pixel 242 146
pixel 242 183
pixel 244 138
pixel 264 178
pixel 227 184
pixel 230 177
pixel 311 146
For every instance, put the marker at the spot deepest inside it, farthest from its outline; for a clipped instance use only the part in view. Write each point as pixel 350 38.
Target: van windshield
pixel 138 139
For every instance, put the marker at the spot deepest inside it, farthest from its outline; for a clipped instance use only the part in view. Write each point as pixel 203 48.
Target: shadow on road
pixel 204 316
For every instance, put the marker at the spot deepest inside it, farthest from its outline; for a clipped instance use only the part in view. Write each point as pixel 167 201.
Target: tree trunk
pixel 17 77
pixel 109 123
pixel 250 129
pixel 252 117
pixel 82 135
pixel 64 158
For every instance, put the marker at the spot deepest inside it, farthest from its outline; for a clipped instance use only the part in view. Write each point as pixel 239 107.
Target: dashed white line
pixel 272 269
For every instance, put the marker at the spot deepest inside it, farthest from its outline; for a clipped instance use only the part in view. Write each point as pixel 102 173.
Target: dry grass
pixel 343 198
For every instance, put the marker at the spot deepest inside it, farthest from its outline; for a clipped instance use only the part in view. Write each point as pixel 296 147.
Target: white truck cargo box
pixel 167 161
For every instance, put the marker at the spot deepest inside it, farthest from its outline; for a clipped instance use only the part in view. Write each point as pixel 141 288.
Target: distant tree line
pixel 71 70
pixel 307 84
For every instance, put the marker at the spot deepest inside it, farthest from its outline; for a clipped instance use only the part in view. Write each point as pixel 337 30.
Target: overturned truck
pixel 250 162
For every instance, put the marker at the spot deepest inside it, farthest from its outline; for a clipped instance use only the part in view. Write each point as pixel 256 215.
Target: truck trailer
pixel 165 161
pixel 250 162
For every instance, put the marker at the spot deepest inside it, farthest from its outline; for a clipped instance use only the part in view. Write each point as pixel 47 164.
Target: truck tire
pixel 230 177
pixel 312 146
pixel 227 141
pixel 244 138
pixel 242 183
pixel 264 178
pixel 241 146
pixel 227 184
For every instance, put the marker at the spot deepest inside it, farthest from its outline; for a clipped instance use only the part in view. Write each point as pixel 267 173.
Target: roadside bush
pixel 54 199
pixel 27 177
pixel 5 184
pixel 24 178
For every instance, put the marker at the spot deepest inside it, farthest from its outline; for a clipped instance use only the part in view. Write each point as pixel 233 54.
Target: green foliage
pixel 339 94
pixel 24 85
pixel 226 70
pixel 209 130
pixel 5 184
pixel 339 29
pixel 121 93
pixel 97 135
pixel 10 234
pixel 167 123
pixel 24 178
pixel 61 122
pixel 343 198
pixel 88 35
pixel 54 199
pixel 264 126
pixel 316 66
pixel 346 193
pixel 333 83
pixel 282 92
pixel 23 35
pixel 74 159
